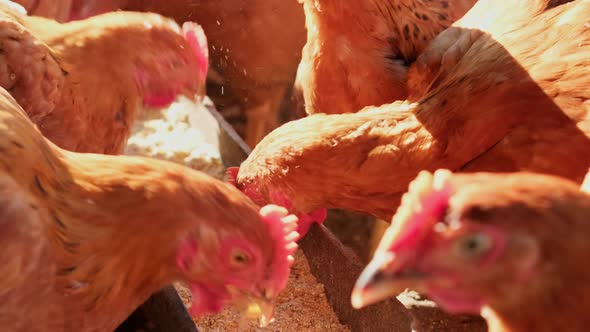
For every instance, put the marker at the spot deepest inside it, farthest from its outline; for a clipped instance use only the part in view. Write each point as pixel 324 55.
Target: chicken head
pixel 471 241
pixel 109 66
pixel 245 269
pixel 172 72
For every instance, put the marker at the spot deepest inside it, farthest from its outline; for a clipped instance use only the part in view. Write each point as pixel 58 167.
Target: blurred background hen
pixel 358 52
pixel 63 74
pixel 255 47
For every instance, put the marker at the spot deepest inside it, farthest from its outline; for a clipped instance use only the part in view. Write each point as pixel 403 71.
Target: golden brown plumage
pixel 255 45
pixel 515 99
pixel 82 82
pixel 58 10
pixel 27 267
pixel 441 56
pixel 121 228
pixel 358 52
pixel 507 245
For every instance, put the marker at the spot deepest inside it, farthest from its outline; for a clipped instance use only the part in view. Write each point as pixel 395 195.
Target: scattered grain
pixel 302 306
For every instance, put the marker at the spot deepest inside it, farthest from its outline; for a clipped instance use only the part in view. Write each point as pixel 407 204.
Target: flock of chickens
pixel 398 93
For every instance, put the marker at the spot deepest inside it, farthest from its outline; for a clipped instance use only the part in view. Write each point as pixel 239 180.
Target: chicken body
pixel 121 228
pixel 83 82
pixel 255 45
pixel 358 52
pixel 27 269
pixel 471 241
pixel 512 95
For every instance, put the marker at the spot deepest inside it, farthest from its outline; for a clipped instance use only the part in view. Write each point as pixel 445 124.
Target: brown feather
pixel 77 80
pixel 115 223
pixel 27 278
pixel 358 52
pixel 516 98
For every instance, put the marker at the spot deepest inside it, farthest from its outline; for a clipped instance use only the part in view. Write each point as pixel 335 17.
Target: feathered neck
pixel 556 302
pixel 104 225
pixel 556 307
pixel 557 294
pixel 103 221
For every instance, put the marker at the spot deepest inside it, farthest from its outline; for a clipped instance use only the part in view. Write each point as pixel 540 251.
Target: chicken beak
pixel 376 283
pixel 260 307
pixel 266 311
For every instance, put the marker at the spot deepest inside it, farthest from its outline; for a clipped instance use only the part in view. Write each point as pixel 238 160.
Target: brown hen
pixel 121 228
pixel 255 46
pixel 82 82
pixel 514 98
pixel 507 245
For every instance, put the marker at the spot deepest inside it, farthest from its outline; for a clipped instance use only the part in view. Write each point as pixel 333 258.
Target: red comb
pixel 159 100
pixel 305 219
pixel 434 206
pixel 308 219
pixel 282 227
pixel 195 36
pixel 232 173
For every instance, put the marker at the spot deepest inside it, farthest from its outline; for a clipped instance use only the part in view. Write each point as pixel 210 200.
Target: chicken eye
pixel 239 258
pixel 473 245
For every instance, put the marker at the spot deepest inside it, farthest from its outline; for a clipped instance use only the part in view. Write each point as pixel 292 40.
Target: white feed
pixel 185 133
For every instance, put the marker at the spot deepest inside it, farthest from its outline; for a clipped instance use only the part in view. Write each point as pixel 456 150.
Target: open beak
pixel 376 283
pixel 266 311
pixel 260 307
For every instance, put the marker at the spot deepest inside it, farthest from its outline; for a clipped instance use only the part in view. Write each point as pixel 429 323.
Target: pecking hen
pixel 83 82
pixel 515 97
pixel 255 45
pixel 508 245
pixel 120 228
